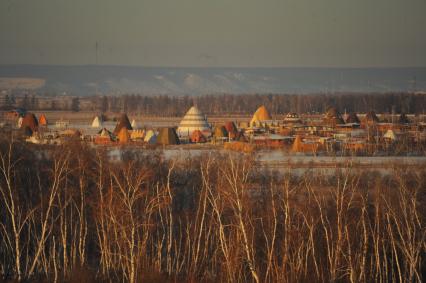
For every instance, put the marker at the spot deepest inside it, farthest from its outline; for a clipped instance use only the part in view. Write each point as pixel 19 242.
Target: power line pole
pixel 96 53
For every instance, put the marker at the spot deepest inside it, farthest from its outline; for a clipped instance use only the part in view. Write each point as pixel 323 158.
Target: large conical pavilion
pixel 193 120
pixel 260 115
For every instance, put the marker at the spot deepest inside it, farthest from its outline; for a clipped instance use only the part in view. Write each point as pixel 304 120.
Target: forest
pixel 69 214
pixel 275 103
pixel 225 104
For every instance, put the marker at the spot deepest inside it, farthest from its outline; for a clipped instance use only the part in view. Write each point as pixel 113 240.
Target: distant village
pixel 329 133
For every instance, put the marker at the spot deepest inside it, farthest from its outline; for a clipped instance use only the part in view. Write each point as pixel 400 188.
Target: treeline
pixel 275 103
pixel 71 215
pixel 169 105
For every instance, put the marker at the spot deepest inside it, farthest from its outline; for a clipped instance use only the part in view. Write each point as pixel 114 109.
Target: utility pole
pixel 96 53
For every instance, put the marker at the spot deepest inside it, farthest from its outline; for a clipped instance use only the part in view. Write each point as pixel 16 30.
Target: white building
pixel 193 120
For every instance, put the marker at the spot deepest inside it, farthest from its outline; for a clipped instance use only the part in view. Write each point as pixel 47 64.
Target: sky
pixel 214 33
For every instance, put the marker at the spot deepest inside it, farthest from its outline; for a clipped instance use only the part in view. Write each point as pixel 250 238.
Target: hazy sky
pixel 338 33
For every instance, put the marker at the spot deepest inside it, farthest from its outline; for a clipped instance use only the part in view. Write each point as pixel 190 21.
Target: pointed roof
pixel 231 129
pixel 390 134
pixel 134 124
pixel 352 118
pixel 297 144
pixel 197 136
pixel 262 113
pixel 104 133
pixel 123 123
pixel 97 122
pixel 193 120
pixel 167 136
pixel 30 121
pixel 333 116
pixel 371 117
pixel 42 120
pixel 332 112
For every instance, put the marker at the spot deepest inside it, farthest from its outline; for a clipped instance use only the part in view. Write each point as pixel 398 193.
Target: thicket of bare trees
pixel 174 105
pixel 275 103
pixel 68 213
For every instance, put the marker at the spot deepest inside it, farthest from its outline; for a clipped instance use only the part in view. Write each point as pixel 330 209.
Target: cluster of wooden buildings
pixel 330 132
pixel 333 131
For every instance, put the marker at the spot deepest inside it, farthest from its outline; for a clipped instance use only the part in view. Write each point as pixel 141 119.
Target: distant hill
pixel 86 80
pixel 21 83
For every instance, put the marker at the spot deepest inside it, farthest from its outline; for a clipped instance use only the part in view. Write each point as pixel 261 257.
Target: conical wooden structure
pixel 30 121
pixel 261 114
pixel 134 124
pixel 97 122
pixel 352 119
pixel 197 137
pixel 123 123
pixel 390 135
pixel 167 136
pixel 231 129
pixel 123 135
pixel 42 121
pixel 297 144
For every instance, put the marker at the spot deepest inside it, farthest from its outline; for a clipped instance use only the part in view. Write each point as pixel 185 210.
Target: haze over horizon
pixel 192 33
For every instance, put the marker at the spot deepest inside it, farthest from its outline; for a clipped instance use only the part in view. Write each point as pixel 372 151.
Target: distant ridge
pixel 92 79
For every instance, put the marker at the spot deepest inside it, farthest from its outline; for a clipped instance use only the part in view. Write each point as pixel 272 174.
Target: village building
pixel 122 123
pixel 193 120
